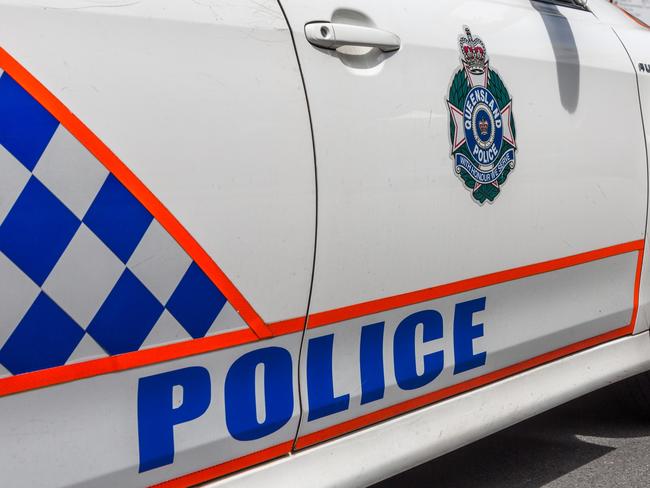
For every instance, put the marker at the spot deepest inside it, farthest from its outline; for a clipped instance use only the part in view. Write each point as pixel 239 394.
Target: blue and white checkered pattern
pixel 85 269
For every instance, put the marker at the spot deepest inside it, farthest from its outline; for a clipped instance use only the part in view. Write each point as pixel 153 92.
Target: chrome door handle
pixel 332 36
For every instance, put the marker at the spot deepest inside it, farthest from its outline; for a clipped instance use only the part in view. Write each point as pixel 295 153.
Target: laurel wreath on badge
pixel 481 125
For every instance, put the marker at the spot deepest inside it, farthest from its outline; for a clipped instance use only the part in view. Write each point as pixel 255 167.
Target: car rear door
pixel 481 198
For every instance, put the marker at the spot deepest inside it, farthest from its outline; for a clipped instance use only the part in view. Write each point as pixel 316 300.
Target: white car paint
pixel 406 441
pixel 517 325
pixel 385 179
pixel 162 83
pixel 204 102
pixel 635 39
pixel 86 433
pixel 387 188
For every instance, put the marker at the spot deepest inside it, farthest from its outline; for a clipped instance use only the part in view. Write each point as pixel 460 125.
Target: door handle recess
pixel 329 35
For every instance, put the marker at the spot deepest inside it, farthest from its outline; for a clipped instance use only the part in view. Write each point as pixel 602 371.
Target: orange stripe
pixel 380 305
pixel 87 369
pixel 135 186
pixel 227 467
pixel 135 359
pixel 637 288
pixel 288 326
pixel 394 410
pixel 121 362
pixel 632 17
pixel 375 417
pixel 429 398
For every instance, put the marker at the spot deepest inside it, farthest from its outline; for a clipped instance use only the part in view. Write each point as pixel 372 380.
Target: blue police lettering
pixel 404 350
pixel 239 393
pixel 371 363
pixel 464 334
pixel 320 381
pixel 322 401
pixel 157 415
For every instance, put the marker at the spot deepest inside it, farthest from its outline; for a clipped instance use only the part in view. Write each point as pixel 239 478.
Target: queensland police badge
pixel 481 124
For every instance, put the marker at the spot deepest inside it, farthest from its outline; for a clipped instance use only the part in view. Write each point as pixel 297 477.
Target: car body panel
pixel 636 39
pixel 471 348
pixel 382 147
pixel 93 432
pixel 375 453
pixel 390 203
pixel 161 84
pixel 296 330
pixel 117 127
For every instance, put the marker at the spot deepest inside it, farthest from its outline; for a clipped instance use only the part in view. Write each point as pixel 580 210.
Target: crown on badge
pixel 474 53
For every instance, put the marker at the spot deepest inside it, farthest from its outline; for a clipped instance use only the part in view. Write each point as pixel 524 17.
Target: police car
pixel 263 243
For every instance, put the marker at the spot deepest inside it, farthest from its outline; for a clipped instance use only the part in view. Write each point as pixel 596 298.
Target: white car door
pixel 481 197
pixel 157 221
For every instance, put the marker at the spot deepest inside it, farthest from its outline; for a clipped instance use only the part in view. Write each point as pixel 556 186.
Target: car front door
pixel 481 198
pixel 157 220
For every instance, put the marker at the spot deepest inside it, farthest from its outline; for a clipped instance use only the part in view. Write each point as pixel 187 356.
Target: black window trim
pixel 575 4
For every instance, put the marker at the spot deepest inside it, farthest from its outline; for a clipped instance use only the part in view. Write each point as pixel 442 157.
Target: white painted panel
pixel 636 41
pixel 412 439
pixel 393 215
pixel 522 319
pixel 85 433
pixel 203 101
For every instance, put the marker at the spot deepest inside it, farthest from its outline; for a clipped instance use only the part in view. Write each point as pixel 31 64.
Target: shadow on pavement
pixel 567 446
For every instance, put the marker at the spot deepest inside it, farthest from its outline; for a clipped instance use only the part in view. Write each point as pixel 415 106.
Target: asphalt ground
pixel 599 440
